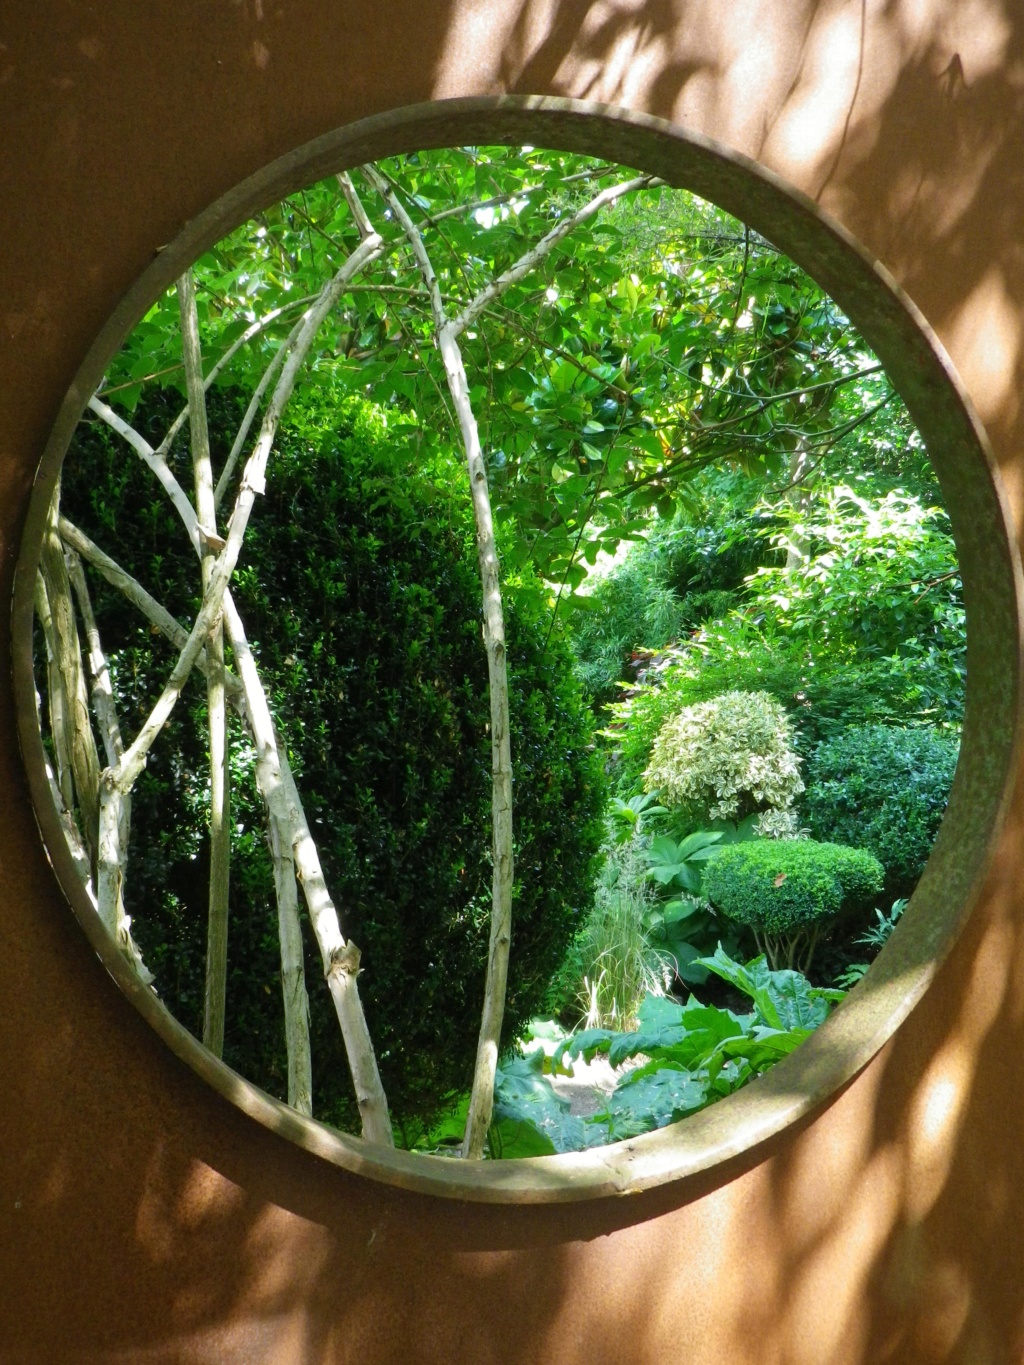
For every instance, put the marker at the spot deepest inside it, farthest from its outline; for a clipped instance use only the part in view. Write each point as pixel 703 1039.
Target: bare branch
pixel 81 742
pixel 412 232
pixel 102 691
pixel 355 205
pixel 290 829
pixel 242 435
pixel 215 998
pixel 482 1097
pixel 157 463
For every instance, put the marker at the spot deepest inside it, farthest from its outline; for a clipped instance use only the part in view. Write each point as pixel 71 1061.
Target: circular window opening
pixel 295 742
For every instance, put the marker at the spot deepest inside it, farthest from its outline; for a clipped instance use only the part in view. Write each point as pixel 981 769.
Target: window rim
pixel 917 364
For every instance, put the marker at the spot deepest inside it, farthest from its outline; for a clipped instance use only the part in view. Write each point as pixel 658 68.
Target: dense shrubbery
pixel 885 789
pixel 789 890
pixel 365 617
pixel 726 759
pixel 683 575
pixel 869 630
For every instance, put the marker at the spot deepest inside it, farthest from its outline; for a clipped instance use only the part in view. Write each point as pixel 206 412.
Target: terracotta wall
pixel 143 1218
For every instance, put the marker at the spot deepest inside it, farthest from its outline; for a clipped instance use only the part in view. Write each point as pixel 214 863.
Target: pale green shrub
pixel 727 758
pixel 612 964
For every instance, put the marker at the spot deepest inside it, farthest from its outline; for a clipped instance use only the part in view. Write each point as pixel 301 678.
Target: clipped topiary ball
pixel 883 788
pixel 789 890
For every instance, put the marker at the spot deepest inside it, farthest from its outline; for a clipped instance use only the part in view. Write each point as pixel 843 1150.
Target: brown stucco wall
pixel 142 1217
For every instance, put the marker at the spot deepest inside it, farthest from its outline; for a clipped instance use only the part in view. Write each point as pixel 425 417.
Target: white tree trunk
pixel 216 712
pixel 293 972
pixel 481 1102
pixel 340 958
pixel 56 704
pixel 80 741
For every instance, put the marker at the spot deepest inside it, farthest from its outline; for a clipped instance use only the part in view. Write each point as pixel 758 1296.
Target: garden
pixel 500 652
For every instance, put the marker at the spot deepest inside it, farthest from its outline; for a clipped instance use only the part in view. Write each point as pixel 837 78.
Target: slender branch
pixel 56 703
pixel 242 435
pixel 81 742
pixel 215 997
pixel 532 258
pixel 291 830
pixel 482 1097
pixel 131 383
pixel 156 461
pixel 355 205
pixel 102 690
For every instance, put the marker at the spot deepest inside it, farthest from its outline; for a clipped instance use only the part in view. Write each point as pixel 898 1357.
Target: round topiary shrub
pixel 788 891
pixel 882 788
pixel 726 758
pixel 361 598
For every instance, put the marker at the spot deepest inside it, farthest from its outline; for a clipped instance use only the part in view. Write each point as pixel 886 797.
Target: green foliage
pixel 627 819
pixel 868 630
pixel 360 594
pixel 679 864
pixel 678 577
pixel 605 384
pixel 876 937
pixel 691 1055
pixel 660 337
pixel 788 890
pixel 726 758
pixel 624 609
pixel 683 926
pixel 612 963
pixel 881 578
pixel 883 788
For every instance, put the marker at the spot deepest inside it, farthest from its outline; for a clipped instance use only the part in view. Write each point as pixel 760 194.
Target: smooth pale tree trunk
pixel 55 700
pixel 83 757
pixel 481 1104
pixel 216 711
pixel 446 333
pixel 293 973
pixel 114 807
pixel 340 958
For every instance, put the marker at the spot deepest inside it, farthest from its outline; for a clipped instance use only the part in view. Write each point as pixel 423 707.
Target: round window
pixel 491 665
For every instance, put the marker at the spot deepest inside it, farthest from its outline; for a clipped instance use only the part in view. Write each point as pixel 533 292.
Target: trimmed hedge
pixel 785 886
pixel 359 590
pixel 883 788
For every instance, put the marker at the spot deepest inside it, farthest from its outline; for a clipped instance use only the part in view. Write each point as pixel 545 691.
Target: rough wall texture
pixel 142 1218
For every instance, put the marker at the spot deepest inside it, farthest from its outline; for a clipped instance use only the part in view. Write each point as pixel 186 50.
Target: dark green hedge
pixel 360 594
pixel 883 788
pixel 781 886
